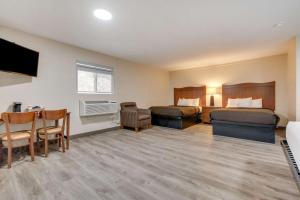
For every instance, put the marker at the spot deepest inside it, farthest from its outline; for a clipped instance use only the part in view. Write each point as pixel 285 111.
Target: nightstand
pixel 205 115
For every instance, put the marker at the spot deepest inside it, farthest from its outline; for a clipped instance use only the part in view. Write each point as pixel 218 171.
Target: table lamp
pixel 211 91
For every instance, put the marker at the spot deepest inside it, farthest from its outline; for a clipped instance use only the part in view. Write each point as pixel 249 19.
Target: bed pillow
pixel 188 102
pixel 256 103
pixel 193 102
pixel 239 103
pixel 232 103
pixel 245 102
pixel 181 102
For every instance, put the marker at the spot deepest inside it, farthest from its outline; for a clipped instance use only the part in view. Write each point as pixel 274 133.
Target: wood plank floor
pixel 157 163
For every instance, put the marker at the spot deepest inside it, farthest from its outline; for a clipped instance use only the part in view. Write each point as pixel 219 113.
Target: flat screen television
pixel 15 58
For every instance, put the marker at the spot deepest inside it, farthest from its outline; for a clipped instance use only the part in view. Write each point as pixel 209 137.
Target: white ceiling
pixel 171 34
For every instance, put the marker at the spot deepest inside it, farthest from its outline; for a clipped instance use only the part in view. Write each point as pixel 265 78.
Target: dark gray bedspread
pixel 175 111
pixel 245 115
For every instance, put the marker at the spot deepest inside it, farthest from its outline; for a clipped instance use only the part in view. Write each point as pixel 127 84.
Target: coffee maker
pixel 17 106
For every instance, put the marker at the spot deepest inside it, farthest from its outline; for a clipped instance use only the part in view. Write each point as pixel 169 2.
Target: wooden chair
pixel 57 130
pixel 9 137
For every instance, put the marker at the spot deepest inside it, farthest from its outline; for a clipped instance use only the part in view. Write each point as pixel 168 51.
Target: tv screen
pixel 15 58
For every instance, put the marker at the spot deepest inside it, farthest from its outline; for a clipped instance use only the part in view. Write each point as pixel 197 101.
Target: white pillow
pixel 181 102
pixel 239 103
pixel 256 103
pixel 232 103
pixel 193 102
pixel 245 102
pixel 188 102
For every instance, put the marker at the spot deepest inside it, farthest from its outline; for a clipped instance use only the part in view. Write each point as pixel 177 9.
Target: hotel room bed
pixel 176 111
pixel 247 123
pixel 180 117
pixel 246 115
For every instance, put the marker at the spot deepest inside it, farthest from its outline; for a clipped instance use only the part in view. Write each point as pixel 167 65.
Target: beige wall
pixel 55 86
pixel 258 70
pixel 291 80
pixel 297 57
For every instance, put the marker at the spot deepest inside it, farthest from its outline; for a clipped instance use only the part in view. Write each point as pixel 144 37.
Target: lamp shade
pixel 211 91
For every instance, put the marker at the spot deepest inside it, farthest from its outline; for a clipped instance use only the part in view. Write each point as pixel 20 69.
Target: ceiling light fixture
pixel 103 14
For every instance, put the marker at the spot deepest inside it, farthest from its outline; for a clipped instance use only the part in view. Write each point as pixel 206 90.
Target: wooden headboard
pixel 266 91
pixel 191 93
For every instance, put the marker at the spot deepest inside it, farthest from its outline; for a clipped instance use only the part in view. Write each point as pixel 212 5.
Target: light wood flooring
pixel 157 163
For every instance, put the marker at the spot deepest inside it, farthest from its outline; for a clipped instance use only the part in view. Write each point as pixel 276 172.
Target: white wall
pixel 55 86
pixel 257 70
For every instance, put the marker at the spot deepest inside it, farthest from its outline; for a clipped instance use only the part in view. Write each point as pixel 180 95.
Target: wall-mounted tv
pixel 15 58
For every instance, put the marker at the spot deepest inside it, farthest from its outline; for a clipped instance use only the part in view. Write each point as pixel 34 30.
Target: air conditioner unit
pixel 90 108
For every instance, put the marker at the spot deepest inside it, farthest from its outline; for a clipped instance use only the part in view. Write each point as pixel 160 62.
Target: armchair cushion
pixel 144 111
pixel 142 117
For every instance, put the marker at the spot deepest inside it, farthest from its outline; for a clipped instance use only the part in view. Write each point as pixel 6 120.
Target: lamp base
pixel 212 101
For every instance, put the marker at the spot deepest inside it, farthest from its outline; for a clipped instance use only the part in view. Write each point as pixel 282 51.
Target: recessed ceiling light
pixel 278 25
pixel 103 14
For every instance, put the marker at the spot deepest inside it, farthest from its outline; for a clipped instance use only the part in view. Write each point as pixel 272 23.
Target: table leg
pixel 1 145
pixel 1 152
pixel 56 123
pixel 68 131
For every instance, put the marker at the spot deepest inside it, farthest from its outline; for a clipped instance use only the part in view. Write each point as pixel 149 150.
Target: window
pixel 94 79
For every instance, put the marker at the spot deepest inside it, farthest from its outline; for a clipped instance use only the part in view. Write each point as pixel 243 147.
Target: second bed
pixel 247 123
pixel 177 116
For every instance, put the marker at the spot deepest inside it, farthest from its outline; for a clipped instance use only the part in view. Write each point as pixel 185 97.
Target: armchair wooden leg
pixel 31 149
pixel 136 129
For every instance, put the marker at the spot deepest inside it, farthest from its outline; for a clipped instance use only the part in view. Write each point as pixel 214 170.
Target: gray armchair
pixel 134 117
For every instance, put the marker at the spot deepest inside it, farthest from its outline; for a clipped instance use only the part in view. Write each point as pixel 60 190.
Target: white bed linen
pixel 293 139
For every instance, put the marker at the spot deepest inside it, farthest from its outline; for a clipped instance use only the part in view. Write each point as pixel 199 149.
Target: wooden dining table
pixel 66 136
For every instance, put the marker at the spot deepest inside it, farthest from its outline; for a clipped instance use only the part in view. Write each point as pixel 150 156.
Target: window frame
pixel 95 67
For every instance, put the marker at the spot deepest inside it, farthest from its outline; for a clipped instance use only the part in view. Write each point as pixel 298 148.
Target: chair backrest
pixel 54 114
pixel 128 105
pixel 19 118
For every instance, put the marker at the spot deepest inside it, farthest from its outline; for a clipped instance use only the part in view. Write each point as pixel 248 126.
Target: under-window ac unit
pixel 90 108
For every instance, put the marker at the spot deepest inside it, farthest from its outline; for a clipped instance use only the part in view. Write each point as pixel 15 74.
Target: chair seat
pixel 143 117
pixel 50 130
pixel 18 135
